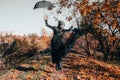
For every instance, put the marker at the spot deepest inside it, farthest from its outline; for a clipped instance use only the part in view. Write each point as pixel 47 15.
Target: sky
pixel 19 17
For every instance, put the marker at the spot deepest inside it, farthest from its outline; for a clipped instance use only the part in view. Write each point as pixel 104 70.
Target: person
pixel 57 46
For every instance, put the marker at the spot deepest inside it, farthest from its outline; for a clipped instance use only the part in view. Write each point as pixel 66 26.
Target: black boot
pixel 58 66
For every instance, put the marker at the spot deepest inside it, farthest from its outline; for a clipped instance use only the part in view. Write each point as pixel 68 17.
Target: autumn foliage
pixel 103 17
pixel 16 48
pixel 99 25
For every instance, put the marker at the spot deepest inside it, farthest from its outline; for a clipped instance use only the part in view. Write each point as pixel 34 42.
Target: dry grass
pixel 38 67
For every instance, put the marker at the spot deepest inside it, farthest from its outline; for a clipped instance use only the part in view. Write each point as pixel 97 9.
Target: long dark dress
pixel 57 46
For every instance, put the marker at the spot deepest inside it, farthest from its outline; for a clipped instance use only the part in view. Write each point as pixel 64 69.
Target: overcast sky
pixel 18 16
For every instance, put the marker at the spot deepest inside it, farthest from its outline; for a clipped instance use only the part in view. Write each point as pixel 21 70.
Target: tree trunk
pixel 105 58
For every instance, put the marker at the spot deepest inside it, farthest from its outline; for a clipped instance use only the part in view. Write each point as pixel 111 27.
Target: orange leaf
pixel 96 21
pixel 83 12
pixel 29 77
pixel 97 14
pixel 114 26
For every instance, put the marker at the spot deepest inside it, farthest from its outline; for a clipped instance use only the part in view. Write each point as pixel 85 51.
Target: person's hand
pixel 45 17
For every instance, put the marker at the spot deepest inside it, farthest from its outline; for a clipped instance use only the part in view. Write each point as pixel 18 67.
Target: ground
pixel 75 67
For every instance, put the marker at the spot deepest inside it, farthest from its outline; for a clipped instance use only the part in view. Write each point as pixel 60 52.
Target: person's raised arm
pixel 46 22
pixel 70 28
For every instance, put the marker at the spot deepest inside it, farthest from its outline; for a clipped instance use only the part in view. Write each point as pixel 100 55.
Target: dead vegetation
pixel 26 63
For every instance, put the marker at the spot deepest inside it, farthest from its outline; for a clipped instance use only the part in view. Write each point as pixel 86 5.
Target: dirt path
pixel 75 67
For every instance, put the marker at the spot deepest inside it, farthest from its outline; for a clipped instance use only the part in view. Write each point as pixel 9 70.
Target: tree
pixel 101 19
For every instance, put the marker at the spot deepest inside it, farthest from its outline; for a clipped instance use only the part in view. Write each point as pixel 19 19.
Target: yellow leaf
pixel 29 77
pixel 14 77
pixel 78 77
